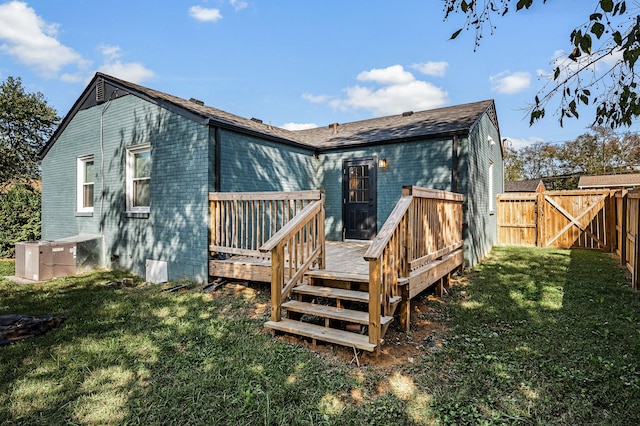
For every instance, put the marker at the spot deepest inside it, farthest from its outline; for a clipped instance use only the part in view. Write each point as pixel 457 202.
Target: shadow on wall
pixel 175 229
pixel 423 163
pixel 249 164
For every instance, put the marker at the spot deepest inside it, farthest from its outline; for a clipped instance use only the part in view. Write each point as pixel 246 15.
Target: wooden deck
pixel 346 293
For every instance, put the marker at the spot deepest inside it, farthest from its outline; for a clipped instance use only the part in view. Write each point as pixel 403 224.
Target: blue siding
pixel 423 163
pixel 176 230
pixel 252 164
pixel 481 230
pixel 183 172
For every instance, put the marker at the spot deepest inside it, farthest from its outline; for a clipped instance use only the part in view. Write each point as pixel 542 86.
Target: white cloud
pixel 110 52
pixel 30 40
pixel 205 15
pixel 316 99
pixel 435 69
pixel 299 126
pixel 509 83
pixel 238 4
pixel 134 72
pixel 517 143
pixel 394 74
pixel 395 90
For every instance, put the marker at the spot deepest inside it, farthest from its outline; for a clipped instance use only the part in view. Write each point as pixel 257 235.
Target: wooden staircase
pixel 332 307
pixel 345 293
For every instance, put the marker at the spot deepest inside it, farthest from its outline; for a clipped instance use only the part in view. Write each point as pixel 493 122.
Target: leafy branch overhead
pixel 599 68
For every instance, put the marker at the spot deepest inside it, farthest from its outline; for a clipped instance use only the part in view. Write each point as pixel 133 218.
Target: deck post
pixel 374 301
pixel 277 278
pixel 405 308
pixel 322 259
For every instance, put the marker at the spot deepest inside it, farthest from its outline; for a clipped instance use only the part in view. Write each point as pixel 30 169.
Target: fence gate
pixel 578 219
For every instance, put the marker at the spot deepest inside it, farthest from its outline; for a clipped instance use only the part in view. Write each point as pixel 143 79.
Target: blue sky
pixel 295 63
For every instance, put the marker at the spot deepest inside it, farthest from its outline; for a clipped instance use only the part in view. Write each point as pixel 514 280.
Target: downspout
pixel 454 164
pixel 102 218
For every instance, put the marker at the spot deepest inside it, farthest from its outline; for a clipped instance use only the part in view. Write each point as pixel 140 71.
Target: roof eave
pixel 416 138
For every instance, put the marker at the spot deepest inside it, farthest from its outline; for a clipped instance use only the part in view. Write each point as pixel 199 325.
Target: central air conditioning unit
pixel 44 260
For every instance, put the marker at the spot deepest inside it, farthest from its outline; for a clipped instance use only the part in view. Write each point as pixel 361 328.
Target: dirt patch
pixel 428 327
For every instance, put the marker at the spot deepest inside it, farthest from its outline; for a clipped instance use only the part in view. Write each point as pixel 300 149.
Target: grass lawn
pixel 528 337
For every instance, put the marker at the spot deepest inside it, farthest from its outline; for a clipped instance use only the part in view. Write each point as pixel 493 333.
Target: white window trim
pixel 81 183
pixel 491 192
pixel 131 151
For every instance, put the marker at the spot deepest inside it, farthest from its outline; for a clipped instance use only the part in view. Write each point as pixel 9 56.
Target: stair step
pixel 331 335
pixel 325 311
pixel 333 293
pixel 337 293
pixel 325 274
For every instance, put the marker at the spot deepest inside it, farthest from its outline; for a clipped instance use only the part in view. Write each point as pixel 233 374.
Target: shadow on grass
pixel 535 337
pixel 543 336
pixel 138 355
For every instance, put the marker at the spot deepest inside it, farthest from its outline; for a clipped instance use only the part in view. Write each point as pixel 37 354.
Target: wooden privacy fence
pixel 627 205
pixel 567 219
pixel 604 220
pixel 420 242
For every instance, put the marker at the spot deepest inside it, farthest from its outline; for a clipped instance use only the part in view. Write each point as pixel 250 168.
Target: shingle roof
pixel 433 123
pixel 609 181
pixel 527 185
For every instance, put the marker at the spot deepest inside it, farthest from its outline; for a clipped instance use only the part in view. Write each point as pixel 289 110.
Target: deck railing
pixel 425 225
pixel 241 222
pixel 293 250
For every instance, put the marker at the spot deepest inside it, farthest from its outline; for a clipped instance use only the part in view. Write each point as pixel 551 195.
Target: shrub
pixel 19 216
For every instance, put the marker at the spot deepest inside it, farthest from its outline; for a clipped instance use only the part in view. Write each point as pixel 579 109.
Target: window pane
pixel 87 195
pixel 142 164
pixel 88 171
pixel 359 184
pixel 141 193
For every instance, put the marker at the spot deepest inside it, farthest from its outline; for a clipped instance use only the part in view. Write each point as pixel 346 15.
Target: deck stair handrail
pixel 425 225
pixel 293 249
pixel 241 222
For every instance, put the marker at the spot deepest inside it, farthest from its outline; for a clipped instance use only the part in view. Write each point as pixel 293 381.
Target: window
pixel 138 178
pixel 85 184
pixel 359 184
pixel 491 195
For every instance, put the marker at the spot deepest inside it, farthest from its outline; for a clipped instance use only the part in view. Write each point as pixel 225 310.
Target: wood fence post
pixel 623 227
pixel 610 221
pixel 539 220
pixel 636 252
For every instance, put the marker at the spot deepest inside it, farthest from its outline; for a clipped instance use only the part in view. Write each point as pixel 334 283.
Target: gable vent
pixel 100 91
pixel 196 101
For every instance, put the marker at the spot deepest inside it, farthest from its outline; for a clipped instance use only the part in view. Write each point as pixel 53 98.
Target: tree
pixel 513 164
pixel 600 68
pixel 19 215
pixel 26 123
pixel 599 151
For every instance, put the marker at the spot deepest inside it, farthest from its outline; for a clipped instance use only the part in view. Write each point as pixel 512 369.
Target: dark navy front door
pixel 359 204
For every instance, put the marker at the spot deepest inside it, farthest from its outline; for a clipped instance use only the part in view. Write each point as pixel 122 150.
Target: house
pixel 527 185
pixel 623 181
pixel 133 167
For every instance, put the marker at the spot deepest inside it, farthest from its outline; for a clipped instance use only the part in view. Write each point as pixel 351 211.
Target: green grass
pixel 532 337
